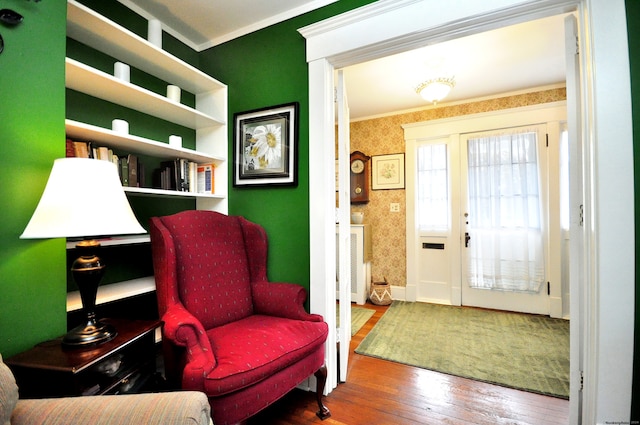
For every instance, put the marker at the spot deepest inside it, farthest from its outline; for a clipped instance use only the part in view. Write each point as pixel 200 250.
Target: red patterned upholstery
pixel 240 339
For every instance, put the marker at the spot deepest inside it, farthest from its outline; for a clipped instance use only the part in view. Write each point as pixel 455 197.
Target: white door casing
pixel 576 237
pixel 322 294
pixel 609 263
pixel 344 228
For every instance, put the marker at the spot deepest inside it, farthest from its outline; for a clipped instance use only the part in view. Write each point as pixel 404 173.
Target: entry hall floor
pixel 380 392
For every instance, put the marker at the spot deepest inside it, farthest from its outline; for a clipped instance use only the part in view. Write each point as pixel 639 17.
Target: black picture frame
pixel 266 146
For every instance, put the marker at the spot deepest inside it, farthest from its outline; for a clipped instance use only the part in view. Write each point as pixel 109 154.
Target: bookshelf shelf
pixel 164 193
pixel 114 292
pixel 116 240
pixel 96 83
pixel 135 144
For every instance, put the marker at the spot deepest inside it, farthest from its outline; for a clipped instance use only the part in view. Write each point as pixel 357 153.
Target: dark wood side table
pixel 122 365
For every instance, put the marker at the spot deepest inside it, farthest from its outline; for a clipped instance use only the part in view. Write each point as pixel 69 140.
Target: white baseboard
pixel 399 293
pixel 555 307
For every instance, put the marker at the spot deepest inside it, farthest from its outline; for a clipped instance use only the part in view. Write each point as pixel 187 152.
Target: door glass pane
pixel 433 187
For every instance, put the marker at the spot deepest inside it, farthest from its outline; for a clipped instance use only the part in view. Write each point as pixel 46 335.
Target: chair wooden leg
pixel 321 380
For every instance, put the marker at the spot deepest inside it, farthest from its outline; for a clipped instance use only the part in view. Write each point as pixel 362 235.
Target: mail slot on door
pixel 428 245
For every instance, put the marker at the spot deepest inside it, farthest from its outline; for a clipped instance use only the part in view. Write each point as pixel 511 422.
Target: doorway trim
pixel 607 301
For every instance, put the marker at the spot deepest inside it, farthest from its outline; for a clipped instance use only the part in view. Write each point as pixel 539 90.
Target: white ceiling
pixel 510 59
pixel 206 23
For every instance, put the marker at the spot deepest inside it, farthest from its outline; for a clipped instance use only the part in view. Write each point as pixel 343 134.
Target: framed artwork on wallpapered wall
pixel 387 171
pixel 265 146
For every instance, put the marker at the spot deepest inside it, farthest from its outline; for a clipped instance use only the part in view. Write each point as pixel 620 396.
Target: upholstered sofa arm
pixel 282 300
pixel 182 407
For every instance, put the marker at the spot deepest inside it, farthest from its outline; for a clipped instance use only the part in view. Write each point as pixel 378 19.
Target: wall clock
pixel 360 177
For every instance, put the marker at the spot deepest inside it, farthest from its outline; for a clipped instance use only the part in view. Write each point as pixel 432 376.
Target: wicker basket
pixel 380 293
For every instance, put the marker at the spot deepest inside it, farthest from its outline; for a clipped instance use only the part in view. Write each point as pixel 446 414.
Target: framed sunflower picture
pixel 265 151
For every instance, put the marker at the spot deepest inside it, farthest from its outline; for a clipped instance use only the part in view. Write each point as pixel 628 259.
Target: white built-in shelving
pixel 94 30
pixel 208 118
pixel 119 290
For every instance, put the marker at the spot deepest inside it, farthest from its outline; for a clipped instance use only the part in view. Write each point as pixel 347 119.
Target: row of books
pixel 179 174
pixel 185 176
pixel 130 169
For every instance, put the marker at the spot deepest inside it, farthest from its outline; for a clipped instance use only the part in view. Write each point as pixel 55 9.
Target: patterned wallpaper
pixel 381 136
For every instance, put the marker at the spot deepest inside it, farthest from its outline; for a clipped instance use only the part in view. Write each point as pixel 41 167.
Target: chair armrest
pixel 183 329
pixel 181 407
pixel 281 300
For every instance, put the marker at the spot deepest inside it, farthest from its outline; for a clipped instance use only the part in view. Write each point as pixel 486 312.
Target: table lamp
pixel 84 198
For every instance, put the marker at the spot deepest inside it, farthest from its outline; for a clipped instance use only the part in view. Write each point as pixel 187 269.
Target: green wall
pixel 32 272
pixel 262 69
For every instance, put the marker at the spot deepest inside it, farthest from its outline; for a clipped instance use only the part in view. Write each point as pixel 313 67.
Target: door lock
pixel 467 238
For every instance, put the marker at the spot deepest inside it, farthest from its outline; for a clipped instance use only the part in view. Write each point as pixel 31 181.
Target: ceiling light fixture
pixel 435 89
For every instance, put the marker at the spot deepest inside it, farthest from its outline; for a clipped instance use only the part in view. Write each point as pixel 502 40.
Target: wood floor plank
pixel 380 392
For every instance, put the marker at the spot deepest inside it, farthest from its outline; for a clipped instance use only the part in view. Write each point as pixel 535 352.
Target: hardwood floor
pixel 380 392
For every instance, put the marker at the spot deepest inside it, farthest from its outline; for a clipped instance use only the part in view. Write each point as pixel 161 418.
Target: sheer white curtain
pixel 506 248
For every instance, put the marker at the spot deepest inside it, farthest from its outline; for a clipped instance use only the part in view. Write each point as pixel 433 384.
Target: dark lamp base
pixel 87 272
pixel 91 333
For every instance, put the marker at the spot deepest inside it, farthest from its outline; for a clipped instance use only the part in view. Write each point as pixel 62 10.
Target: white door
pixel 578 280
pixel 453 235
pixel 344 228
pixel 503 205
pixel 437 251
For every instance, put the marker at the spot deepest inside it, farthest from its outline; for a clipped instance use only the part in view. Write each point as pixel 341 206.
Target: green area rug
pixel 359 316
pixel 521 351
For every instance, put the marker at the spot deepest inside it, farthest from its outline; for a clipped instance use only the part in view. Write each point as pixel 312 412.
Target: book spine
pixel 70 149
pixel 81 149
pixel 206 175
pixel 103 154
pixel 124 171
pixel 184 175
pixel 193 177
pixel 132 161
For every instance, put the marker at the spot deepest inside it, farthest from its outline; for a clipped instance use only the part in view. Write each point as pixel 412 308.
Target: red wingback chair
pixel 228 332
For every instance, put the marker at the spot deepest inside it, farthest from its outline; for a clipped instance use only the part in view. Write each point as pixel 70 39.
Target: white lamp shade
pixel 83 197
